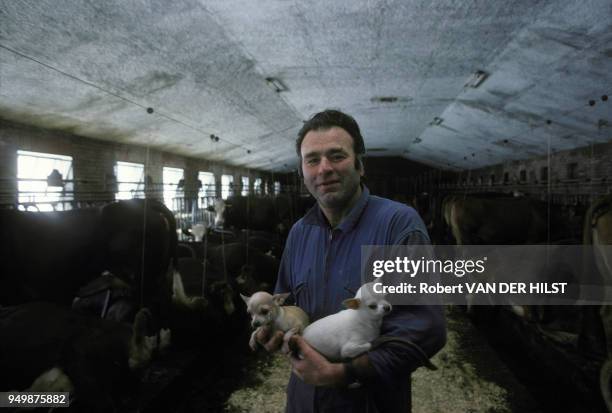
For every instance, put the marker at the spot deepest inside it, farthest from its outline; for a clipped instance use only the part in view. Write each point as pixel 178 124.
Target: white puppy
pixel 267 310
pixel 350 332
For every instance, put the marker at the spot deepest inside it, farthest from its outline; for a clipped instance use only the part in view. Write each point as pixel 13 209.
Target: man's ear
pixel 359 165
pixel 352 303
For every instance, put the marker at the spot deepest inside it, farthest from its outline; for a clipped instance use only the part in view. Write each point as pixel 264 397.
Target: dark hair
pixel 326 120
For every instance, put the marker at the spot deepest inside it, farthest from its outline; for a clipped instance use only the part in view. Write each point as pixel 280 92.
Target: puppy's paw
pixel 253 341
pixel 290 333
pixel 165 339
pixel 285 347
pixel 292 350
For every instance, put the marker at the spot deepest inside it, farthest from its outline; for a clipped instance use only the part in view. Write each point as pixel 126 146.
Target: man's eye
pixel 312 161
pixel 338 157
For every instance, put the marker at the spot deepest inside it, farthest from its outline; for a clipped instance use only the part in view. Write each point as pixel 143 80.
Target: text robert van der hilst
pixel 458 268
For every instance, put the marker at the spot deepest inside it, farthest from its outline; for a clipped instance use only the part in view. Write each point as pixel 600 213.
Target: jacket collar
pixel 315 216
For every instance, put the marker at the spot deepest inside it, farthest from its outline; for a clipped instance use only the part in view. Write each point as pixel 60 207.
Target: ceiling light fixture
pixel 390 99
pixel 476 79
pixel 276 84
pixel 436 121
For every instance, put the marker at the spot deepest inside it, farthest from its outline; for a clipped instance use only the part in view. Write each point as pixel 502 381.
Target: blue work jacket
pixel 321 268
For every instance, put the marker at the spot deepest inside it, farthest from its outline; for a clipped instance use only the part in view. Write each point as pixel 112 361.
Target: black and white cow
pixel 49 256
pixel 47 347
pixel 273 214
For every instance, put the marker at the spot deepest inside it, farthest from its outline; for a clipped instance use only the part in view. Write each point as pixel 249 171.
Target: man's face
pixel 328 165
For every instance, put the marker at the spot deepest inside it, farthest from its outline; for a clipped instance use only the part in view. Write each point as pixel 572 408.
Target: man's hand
pixel 271 342
pixel 312 367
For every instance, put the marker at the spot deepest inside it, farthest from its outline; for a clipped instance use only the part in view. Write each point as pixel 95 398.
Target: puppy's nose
pixel 256 323
pixel 386 308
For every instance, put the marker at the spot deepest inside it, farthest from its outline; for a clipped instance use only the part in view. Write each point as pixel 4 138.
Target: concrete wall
pixel 94 161
pixel 391 177
pixel 572 176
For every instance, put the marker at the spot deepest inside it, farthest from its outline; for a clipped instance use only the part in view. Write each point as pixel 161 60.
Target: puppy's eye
pixel 372 306
pixel 264 311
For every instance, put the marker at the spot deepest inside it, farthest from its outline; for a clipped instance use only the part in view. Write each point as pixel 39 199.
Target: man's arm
pixel 421 330
pixel 423 327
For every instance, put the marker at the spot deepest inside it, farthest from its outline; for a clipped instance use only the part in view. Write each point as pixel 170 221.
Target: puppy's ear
pixel 280 298
pixel 245 299
pixel 352 303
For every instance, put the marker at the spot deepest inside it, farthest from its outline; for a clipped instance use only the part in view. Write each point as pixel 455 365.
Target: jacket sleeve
pixel 283 281
pixel 421 330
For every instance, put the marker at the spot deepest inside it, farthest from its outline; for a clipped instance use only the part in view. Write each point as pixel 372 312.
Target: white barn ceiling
pixel 399 67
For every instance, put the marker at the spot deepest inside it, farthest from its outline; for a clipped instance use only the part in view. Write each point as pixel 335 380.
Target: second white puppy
pixel 350 332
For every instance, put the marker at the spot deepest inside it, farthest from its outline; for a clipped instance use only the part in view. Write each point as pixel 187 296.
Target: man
pixel 321 268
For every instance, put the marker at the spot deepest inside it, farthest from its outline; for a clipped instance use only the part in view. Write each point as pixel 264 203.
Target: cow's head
pixel 220 207
pixel 141 346
pixel 224 291
pixel 198 231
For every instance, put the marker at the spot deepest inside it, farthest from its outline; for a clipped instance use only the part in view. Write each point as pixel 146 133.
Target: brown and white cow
pixel 478 220
pixel 506 219
pixel 596 334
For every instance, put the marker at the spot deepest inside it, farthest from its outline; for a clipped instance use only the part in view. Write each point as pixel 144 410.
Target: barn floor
pixel 470 378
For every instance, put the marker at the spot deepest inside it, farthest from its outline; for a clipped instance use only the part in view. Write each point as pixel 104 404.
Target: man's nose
pixel 325 166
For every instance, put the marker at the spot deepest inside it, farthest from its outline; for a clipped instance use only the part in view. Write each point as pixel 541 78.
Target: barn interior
pixel 127 121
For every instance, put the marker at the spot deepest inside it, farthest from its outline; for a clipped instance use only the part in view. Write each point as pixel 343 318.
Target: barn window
pixel 45 181
pixel 506 177
pixel 258 187
pixel 572 170
pixel 208 191
pixel 245 186
pixel 173 192
pixel 277 187
pixel 523 176
pixel 492 179
pixel 227 186
pixel 130 180
pixel 544 174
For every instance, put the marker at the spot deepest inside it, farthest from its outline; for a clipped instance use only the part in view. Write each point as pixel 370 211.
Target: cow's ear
pixel 352 303
pixel 280 298
pixel 245 299
pixel 246 270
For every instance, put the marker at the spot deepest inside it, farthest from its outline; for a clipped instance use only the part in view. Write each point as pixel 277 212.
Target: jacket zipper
pixel 330 238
